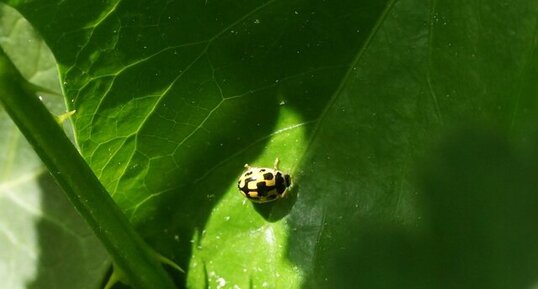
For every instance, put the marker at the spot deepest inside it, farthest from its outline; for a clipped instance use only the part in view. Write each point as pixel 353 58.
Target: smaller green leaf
pixel 44 242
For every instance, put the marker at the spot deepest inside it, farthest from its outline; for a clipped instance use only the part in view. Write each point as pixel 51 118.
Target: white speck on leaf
pixel 221 282
pixel 269 236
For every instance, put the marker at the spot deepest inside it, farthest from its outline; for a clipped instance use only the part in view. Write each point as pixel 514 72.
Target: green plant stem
pixel 130 253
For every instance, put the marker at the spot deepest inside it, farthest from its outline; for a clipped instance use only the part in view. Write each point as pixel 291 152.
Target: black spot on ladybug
pixel 262 189
pixel 244 189
pixel 248 173
pixel 262 170
pixel 268 176
pixel 245 186
pixel 280 183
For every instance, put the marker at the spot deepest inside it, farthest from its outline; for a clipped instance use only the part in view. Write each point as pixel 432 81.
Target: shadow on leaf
pixel 479 194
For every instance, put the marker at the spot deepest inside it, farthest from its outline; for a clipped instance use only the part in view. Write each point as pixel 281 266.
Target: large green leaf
pixel 408 127
pixel 43 241
pixel 422 173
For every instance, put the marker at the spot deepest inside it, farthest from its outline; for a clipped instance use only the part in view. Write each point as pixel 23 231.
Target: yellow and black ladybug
pixel 262 185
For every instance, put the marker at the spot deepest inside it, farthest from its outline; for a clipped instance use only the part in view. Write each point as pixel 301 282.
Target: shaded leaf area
pixel 428 156
pixel 44 242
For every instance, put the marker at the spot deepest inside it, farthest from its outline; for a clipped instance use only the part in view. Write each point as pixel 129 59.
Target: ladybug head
pixel 287 180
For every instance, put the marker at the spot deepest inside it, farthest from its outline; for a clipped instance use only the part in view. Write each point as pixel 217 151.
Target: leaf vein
pixel 341 86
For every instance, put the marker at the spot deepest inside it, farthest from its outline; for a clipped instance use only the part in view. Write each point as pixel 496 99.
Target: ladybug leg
pixel 247 167
pixel 284 194
pixel 277 161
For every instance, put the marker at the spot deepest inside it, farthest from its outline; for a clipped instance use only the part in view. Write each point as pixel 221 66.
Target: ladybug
pixel 262 185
